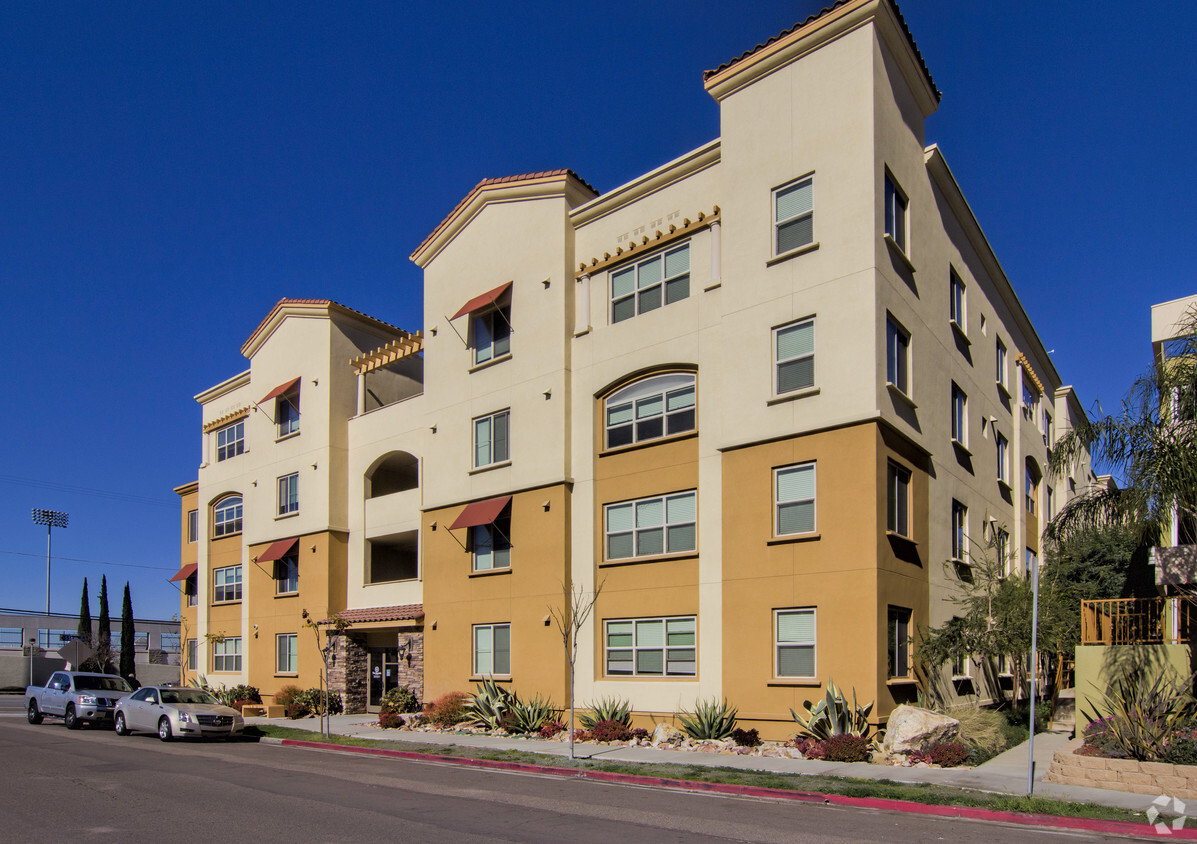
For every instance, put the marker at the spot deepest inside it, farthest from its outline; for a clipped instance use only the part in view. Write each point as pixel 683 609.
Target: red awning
pixel 279 390
pixel 480 513
pixel 278 550
pixel 480 302
pixel 185 572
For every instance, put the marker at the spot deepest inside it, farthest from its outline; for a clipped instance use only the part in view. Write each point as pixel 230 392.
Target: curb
pixel 731 790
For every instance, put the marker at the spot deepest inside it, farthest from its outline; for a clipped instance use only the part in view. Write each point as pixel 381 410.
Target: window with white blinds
pixel 794 215
pixel 649 527
pixel 794 356
pixel 794 493
pixel 795 643
pixel 652 647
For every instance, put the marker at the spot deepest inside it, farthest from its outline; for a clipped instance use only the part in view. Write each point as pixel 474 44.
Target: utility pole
pixel 51 519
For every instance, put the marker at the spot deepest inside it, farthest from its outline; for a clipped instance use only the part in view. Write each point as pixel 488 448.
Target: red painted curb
pixel 967 812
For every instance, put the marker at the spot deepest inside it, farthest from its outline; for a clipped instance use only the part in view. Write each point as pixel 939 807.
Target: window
pixel 895 213
pixel 1000 374
pixel 490 438
pixel 1032 558
pixel 492 334
pixel 288 494
pixel 1049 508
pixel 956 299
pixel 1030 400
pixel 226 655
pixel 652 526
pixel 141 641
pixel 898 649
pixel 192 525
pixel 191 590
pixel 287 414
pixel 230 441
pixel 286 653
pixel 959 531
pixel 1031 489
pixel 794 490
pixel 1048 431
pixel 170 643
pixel 959 416
pixel 646 285
pixel 192 650
pixel 1003 458
pixel 286 575
pixel 794 356
pixel 794 216
pixel 50 640
pixel 227 516
pixel 12 637
pixel 227 583
pixel 898 500
pixel 651 647
pixel 795 643
pixel 1001 546
pixel 960 665
pixel 492 649
pixel 654 407
pixel 897 356
pixel 492 544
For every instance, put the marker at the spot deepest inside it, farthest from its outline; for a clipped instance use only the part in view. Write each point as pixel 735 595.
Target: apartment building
pixel 771 397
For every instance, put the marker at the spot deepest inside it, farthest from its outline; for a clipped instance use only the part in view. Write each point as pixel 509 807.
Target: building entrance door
pixel 384 675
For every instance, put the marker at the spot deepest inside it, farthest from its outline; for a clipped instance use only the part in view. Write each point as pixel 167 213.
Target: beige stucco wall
pixel 1098 665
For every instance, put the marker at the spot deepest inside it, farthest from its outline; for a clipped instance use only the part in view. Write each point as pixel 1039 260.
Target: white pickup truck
pixel 77 697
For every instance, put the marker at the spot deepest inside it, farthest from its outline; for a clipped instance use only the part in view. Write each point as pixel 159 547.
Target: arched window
pixel 226 516
pixel 651 408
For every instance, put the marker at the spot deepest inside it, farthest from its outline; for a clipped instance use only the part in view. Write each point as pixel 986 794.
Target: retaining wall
pixel 1067 768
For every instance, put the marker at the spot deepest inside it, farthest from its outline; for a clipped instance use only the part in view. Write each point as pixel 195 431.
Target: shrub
pixel 312 702
pixel 447 710
pixel 550 728
pixel 582 735
pixel 400 700
pixel 640 733
pixel 947 754
pixel 746 738
pixel 846 747
pixel 297 710
pixel 241 704
pixel 1099 736
pixel 808 746
pixel 1087 750
pixel 611 731
pixel 607 709
pixel 981 730
pixel 487 706
pixel 390 720
pixel 833 715
pixel 1182 750
pixel 249 694
pixel 709 720
pixel 285 696
pixel 528 716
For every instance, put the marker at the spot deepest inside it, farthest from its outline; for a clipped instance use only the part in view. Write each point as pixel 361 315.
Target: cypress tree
pixel 84 629
pixel 104 634
pixel 127 668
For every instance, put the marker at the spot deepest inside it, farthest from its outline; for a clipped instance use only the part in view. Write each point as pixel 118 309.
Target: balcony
pixel 1139 621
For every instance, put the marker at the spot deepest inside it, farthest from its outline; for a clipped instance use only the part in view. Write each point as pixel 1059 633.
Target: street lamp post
pixel 1034 666
pixel 51 519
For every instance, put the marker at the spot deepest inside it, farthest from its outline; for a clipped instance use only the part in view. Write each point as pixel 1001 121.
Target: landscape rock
pixel 664 734
pixel 911 728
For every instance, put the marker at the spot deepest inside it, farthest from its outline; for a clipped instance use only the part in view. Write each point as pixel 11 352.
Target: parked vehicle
pixel 177 711
pixel 78 697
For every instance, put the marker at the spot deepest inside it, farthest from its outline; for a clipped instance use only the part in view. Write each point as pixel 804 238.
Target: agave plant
pixel 709 720
pixel 607 709
pixel 528 716
pixel 1142 717
pixel 489 704
pixel 833 716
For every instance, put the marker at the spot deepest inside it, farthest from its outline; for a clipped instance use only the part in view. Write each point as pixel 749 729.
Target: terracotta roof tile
pixel 404 612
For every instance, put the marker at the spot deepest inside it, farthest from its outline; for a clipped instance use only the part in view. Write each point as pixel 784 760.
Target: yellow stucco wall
pixel 1097 665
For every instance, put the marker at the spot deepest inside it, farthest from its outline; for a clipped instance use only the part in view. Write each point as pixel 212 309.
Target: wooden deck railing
pixel 1138 621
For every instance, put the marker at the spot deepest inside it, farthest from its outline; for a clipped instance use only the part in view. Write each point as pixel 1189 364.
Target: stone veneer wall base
pixel 1153 778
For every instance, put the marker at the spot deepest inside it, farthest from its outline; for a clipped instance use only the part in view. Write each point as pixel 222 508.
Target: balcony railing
pixel 1139 621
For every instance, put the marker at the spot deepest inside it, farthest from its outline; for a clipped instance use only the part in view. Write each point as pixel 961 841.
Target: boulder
pixel 911 728
pixel 665 734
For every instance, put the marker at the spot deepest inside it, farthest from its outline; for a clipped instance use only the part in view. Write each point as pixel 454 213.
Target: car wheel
pixel 34 716
pixel 72 723
pixel 121 729
pixel 164 728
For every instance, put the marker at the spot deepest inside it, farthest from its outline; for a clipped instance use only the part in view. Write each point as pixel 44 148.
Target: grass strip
pixel 925 793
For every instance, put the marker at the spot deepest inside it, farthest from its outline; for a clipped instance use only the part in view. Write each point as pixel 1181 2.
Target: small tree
pixel 324 645
pixel 571 616
pixel 84 629
pixel 128 667
pixel 104 632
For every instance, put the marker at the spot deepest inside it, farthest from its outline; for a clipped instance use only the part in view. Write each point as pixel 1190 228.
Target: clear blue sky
pixel 168 171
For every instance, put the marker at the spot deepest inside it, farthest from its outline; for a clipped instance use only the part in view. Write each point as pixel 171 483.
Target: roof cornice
pixel 223 388
pixel 313 309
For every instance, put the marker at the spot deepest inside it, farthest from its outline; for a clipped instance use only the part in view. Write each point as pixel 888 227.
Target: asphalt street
pixel 92 785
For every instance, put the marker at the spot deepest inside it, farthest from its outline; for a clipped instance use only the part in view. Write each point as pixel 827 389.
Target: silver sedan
pixel 174 711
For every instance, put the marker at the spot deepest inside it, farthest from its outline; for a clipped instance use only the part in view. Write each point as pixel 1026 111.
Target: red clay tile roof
pixel 404 612
pixel 897 12
pixel 522 177
pixel 324 303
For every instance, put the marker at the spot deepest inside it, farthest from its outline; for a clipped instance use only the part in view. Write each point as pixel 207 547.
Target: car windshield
pixel 187 696
pixel 96 683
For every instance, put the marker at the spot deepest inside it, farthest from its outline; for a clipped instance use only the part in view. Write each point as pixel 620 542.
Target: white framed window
pixel 492 334
pixel 287 414
pixel 227 516
pixel 492 649
pixel 794 215
pixel 794 356
pixel 192 525
pixel 1048 430
pixel 898 646
pixel 288 494
pixel 647 285
pixel 649 527
pixel 192 654
pixel 286 660
pixel 960 667
pixel 12 637
pixel 959 416
pixel 897 500
pixel 230 440
pixel 491 438
pixel 1030 400
pixel 651 647
pixel 226 654
pixel 1001 372
pixel 1031 491
pixel 492 544
pixel 226 584
pixel 897 356
pixel 170 643
pixel 651 408
pixel 959 531
pixel 895 213
pixel 794 499
pixel 286 575
pixel 956 299
pixel 1003 458
pixel 794 643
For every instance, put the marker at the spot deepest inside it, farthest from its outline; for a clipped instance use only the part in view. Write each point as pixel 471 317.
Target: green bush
pixel 311 702
pixel 400 700
pixel 607 709
pixel 447 710
pixel 846 747
pixel 1182 750
pixel 709 720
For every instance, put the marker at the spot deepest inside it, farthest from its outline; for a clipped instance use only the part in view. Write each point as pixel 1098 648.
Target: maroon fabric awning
pixel 185 572
pixel 480 302
pixel 279 390
pixel 278 550
pixel 480 513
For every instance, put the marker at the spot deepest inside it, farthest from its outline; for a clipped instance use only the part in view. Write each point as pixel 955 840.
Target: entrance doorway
pixel 384 675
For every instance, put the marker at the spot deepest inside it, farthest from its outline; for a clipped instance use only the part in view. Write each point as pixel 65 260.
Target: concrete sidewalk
pixel 1004 774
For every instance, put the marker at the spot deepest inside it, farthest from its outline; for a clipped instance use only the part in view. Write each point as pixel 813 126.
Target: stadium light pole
pixel 51 519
